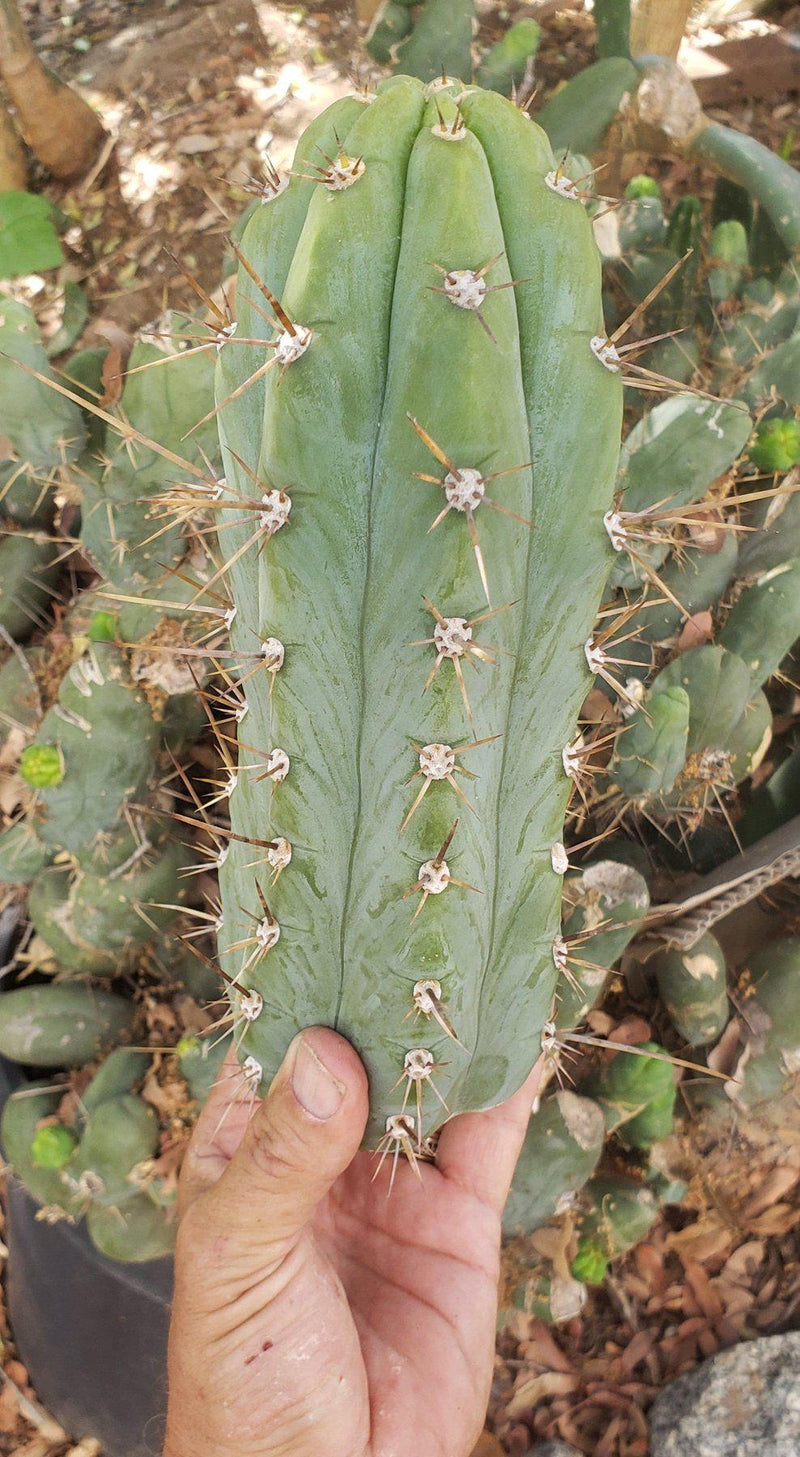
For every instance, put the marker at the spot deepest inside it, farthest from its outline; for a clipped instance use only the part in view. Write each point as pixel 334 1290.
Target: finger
pixel 299 1140
pixel 479 1151
pixel 217 1133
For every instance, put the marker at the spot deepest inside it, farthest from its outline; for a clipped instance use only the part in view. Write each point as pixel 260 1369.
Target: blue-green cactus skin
pixel 342 585
pixel 60 1026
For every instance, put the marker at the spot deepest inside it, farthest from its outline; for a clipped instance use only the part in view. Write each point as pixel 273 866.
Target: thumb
pixel 300 1139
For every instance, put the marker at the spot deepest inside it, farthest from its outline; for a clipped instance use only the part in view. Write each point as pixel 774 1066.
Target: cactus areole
pixel 431 415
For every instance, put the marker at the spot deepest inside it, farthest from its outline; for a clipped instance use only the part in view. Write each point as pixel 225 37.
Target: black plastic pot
pixel 92 1333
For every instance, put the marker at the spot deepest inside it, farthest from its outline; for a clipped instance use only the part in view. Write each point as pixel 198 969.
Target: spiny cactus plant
pixel 427 40
pixel 407 737
pixel 100 1164
pixel 63 1025
pixel 696 726
pixel 565 1136
pixel 692 984
pixel 604 905
pixel 91 774
pixel 766 1072
pixel 636 1094
pixel 615 1214
pixel 41 430
pixel 94 712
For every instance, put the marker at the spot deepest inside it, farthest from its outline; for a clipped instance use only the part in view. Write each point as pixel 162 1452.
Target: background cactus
pixel 767 1069
pixel 49 1026
pixel 101 1167
pixel 603 907
pixel 565 1136
pixel 42 431
pixel 636 1094
pixel 692 985
pixel 615 1214
pixel 94 712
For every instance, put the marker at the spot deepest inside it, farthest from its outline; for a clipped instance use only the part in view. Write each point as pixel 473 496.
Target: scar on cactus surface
pixel 424 436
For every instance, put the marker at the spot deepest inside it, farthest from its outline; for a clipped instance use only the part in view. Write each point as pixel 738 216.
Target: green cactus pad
pixel 774 536
pixel 769 1066
pixel 118 1074
pixel 164 403
pixel 764 623
pixel 200 1061
pixel 440 42
pixel 692 985
pixel 120 1134
pixel 22 854
pixel 39 429
pixel 20 705
pixel 562 1148
pixel 504 66
pixel 650 753
pixel 696 579
pixel 604 906
pixel 135 1233
pixel 728 260
pixel 64 1025
pixel 616 1214
pixel 675 453
pixel 636 1094
pixel 28 571
pixel 394 24
pixel 776 377
pixel 343 586
pixel 773 803
pixel 577 117
pixel 669 459
pixel 771 180
pixel 728 731
pixel 103 729
pixel 640 221
pixel 93 922
pixel 22 1114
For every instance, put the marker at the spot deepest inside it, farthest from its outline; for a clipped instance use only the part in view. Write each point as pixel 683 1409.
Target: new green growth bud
pixel 42 765
pixel 52 1146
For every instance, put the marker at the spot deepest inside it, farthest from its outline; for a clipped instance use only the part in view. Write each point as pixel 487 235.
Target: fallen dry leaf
pixel 532 1389
pixel 696 630
pixel 112 377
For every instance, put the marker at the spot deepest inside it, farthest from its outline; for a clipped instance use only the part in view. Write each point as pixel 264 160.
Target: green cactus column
pixel 438 451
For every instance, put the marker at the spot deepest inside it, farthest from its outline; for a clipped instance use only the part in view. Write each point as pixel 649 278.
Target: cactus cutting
pixel 358 751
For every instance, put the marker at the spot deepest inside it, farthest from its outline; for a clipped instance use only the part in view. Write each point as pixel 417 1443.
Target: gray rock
pixel 552 1449
pixel 742 1403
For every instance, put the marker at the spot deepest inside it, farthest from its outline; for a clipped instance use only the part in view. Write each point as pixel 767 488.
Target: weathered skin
pixel 342 584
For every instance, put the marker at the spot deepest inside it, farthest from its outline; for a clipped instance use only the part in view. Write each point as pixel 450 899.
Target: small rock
pixel 742 1403
pixel 552 1449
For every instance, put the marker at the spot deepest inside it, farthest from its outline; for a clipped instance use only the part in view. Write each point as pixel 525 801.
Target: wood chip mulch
pixel 722 1268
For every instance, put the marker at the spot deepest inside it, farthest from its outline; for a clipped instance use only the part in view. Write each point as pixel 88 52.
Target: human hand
pixel 313 1314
